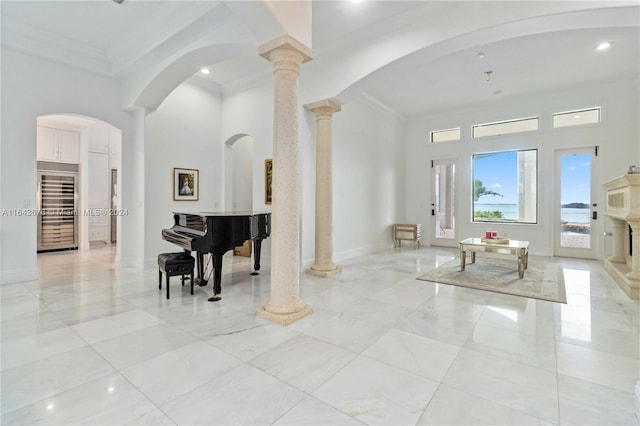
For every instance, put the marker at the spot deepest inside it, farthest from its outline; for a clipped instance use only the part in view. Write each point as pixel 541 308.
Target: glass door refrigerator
pixel 58 210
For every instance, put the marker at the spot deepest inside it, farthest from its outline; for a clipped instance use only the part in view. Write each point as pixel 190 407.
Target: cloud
pixel 571 168
pixel 586 163
pixel 496 185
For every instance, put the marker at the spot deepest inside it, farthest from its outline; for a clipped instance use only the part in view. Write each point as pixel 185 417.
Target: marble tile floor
pixel 89 343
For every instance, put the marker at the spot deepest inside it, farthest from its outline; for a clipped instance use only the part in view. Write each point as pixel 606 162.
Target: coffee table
pixel 514 247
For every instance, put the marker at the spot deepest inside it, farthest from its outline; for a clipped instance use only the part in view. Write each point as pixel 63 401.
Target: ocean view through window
pixel 505 186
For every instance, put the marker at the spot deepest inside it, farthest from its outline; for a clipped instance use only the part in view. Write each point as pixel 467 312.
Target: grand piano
pixel 217 233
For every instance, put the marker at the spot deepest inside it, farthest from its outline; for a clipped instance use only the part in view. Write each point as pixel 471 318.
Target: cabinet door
pixel 99 138
pixel 69 146
pixel 99 175
pixel 47 144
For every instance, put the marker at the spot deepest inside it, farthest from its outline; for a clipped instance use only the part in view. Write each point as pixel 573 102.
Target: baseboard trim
pixel 15 276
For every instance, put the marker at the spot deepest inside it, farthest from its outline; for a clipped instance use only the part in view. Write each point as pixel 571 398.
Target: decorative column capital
pixel 324 108
pixel 285 50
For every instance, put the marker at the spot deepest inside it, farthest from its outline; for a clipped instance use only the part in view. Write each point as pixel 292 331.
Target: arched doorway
pixel 79 167
pixel 239 173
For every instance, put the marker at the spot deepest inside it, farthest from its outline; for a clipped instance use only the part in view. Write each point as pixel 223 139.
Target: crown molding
pixel 203 83
pixel 44 44
pixel 156 30
pixel 246 83
pixel 370 101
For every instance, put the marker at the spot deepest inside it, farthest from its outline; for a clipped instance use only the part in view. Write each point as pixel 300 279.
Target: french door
pixel 576 213
pixel 443 203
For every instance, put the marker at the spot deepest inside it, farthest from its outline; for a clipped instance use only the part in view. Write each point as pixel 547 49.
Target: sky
pixel 576 181
pixel 498 173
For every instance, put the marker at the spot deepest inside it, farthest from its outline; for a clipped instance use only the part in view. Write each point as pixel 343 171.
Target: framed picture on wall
pixel 186 185
pixel 268 179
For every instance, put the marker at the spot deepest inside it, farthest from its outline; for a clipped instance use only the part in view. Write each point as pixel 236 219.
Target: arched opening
pixel 238 187
pixel 239 173
pixel 78 193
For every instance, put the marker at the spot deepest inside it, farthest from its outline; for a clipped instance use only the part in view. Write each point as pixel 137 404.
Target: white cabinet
pixel 99 196
pixel 62 146
pixel 99 138
pixel 115 138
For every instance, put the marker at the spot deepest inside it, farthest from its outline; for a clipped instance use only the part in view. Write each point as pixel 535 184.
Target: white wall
pixel 368 164
pixel 367 168
pixel 32 87
pixel 250 112
pixel 617 136
pixel 239 179
pixel 184 132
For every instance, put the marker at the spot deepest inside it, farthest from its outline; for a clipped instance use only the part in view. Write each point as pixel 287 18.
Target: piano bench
pixel 173 264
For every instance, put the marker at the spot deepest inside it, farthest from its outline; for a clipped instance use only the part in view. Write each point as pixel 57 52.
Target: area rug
pixel 542 280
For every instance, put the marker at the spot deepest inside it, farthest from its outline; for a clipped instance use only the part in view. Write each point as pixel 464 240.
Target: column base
pixel 620 273
pixel 323 272
pixel 284 318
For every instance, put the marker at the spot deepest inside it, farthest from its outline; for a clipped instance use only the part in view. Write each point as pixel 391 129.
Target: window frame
pixel 432 132
pixel 575 111
pixel 500 122
pixel 503 221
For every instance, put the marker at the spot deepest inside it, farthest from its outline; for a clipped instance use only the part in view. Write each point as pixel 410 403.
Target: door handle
pixel 594 215
pixel 433 212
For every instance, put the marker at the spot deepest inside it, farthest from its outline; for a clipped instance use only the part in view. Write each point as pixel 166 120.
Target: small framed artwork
pixel 268 179
pixel 186 185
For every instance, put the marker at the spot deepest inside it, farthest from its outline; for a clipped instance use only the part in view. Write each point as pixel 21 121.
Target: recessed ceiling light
pixel 603 46
pixel 576 116
pixel 481 55
pixel 205 71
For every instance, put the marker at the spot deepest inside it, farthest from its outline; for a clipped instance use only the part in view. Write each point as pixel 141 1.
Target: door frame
pixel 595 251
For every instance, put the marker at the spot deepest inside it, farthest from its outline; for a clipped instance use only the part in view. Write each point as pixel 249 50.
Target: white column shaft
pixel 324 195
pixel 284 305
pixel 323 264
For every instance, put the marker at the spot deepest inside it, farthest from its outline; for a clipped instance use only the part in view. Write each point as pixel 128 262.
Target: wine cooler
pixel 58 210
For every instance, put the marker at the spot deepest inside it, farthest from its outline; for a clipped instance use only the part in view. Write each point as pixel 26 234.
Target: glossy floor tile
pixel 91 343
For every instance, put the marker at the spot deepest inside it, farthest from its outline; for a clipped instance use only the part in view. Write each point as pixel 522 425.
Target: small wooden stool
pixel 173 264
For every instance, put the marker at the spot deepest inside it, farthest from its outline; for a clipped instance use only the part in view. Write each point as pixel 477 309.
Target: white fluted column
pixel 323 265
pixel 284 305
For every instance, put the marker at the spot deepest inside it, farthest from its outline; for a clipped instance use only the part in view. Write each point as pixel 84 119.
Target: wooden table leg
pixel 463 255
pixel 473 257
pixel 520 266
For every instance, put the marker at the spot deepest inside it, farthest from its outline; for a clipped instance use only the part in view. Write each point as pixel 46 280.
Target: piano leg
pixel 200 261
pixel 217 277
pixel 257 245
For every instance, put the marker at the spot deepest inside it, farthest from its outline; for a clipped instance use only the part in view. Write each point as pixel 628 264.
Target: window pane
pixel 445 135
pixel 576 118
pixel 505 127
pixel 505 186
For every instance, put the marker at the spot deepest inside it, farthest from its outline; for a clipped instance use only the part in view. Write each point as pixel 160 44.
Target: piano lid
pixel 222 214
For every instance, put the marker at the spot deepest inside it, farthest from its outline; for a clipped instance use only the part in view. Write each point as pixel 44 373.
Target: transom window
pixel 445 135
pixel 505 127
pixel 577 117
pixel 505 186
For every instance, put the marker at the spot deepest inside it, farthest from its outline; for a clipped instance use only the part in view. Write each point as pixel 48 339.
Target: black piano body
pixel 217 233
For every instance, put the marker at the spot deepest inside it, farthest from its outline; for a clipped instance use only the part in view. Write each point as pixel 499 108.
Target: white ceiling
pixel 104 32
pixel 520 66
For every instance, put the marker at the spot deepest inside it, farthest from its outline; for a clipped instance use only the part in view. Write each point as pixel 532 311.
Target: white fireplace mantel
pixel 623 209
